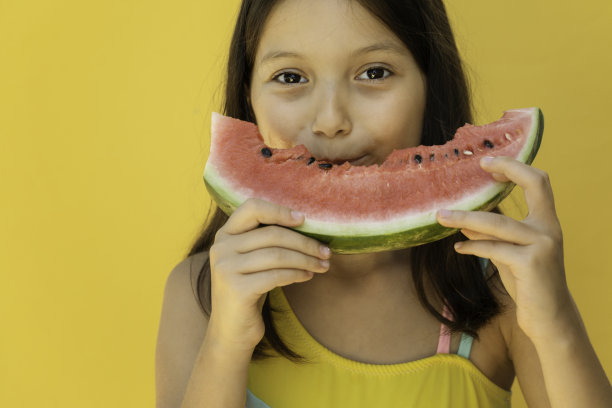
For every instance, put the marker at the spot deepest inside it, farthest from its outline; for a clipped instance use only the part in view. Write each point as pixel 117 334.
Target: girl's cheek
pixel 268 109
pixel 280 122
pixel 394 119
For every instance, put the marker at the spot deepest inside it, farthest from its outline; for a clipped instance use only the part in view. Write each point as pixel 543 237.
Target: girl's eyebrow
pixel 381 46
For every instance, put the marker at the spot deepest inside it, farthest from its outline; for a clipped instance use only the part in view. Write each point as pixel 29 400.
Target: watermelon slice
pixel 357 209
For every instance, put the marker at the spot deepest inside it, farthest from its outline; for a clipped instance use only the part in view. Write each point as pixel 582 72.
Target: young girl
pixel 276 321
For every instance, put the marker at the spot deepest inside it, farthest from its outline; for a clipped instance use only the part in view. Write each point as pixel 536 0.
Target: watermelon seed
pixel 488 144
pixel 418 158
pixel 508 136
pixel 311 160
pixel 446 155
pixel 325 165
pixel 431 157
pixel 456 152
pixel 518 131
pixel 467 152
pixel 266 152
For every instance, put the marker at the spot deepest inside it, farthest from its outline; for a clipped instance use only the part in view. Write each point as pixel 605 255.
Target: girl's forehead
pixel 322 24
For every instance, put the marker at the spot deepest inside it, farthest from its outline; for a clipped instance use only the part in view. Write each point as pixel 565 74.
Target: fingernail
pixel 325 251
pixel 444 213
pixel 297 215
pixel 486 160
pixel 324 264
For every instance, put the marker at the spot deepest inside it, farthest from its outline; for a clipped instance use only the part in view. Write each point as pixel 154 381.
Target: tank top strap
pixel 253 402
pixel 465 346
pixel 445 338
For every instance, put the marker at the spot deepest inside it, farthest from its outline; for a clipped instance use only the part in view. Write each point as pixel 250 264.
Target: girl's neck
pixel 364 275
pixel 362 267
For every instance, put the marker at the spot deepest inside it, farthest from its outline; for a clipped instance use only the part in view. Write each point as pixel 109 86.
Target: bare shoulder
pixel 490 352
pixel 504 321
pixel 181 287
pixel 187 268
pixel 180 295
pixel 182 329
pixel 521 352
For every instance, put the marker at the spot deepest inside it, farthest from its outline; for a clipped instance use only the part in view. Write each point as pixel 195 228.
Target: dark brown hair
pixel 424 28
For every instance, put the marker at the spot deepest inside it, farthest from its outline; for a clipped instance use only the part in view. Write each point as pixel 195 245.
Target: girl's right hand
pixel 247 262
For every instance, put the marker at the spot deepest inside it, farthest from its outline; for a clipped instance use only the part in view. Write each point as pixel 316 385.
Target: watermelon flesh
pixel 358 209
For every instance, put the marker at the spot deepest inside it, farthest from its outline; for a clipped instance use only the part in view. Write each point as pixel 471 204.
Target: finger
pixel 275 258
pixel 263 282
pixel 254 211
pixel 534 182
pixel 502 252
pixel 473 235
pixel 500 177
pixel 499 226
pixel 275 236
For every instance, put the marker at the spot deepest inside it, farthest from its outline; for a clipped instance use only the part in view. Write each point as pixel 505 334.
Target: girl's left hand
pixel 527 253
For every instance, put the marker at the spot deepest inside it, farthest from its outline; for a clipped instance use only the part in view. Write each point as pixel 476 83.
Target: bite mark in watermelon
pixel 358 209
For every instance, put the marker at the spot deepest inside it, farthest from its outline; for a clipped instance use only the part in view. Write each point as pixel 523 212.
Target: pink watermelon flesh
pixel 370 208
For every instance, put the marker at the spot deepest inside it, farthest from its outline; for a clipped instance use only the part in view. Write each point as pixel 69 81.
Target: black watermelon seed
pixel 266 152
pixel 418 159
pixel 488 144
pixel 446 155
pixel 325 165
pixel 456 152
pixel 431 157
pixel 311 160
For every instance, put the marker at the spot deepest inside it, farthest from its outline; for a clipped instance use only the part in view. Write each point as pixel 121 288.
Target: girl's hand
pixel 527 253
pixel 247 262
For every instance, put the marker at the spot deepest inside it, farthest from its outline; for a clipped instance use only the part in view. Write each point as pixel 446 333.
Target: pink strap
pixel 445 338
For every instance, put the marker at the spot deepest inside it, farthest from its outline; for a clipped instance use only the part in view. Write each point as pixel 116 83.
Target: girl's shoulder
pixel 191 267
pixel 491 353
pixel 521 353
pixel 504 322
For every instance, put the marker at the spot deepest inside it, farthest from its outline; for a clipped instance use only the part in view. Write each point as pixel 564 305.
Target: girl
pixel 276 321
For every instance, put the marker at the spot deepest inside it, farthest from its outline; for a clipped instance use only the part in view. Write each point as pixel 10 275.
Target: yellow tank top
pixel 330 380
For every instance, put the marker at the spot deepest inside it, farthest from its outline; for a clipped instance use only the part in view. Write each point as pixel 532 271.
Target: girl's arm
pixel 192 369
pixel 219 377
pixel 529 257
pixel 562 369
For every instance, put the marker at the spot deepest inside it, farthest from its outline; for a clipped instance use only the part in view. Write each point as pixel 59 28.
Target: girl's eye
pixel 375 73
pixel 290 78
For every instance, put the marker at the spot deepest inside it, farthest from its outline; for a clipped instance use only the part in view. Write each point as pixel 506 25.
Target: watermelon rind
pixel 400 233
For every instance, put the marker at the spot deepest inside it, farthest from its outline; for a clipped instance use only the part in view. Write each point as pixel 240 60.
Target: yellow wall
pixel 104 111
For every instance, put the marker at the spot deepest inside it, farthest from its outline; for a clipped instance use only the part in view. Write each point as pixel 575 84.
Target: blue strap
pixel 465 346
pixel 253 402
pixel 466 340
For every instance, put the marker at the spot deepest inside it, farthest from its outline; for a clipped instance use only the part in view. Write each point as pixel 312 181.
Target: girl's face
pixel 332 77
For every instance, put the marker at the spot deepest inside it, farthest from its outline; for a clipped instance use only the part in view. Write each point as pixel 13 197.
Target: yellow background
pixel 104 115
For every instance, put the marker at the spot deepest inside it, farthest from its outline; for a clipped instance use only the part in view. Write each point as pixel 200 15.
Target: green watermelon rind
pixel 394 234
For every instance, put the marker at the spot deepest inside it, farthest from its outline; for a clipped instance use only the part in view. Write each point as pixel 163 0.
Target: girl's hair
pixel 424 28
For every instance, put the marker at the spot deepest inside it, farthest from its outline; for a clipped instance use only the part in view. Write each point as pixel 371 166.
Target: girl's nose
pixel 331 117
